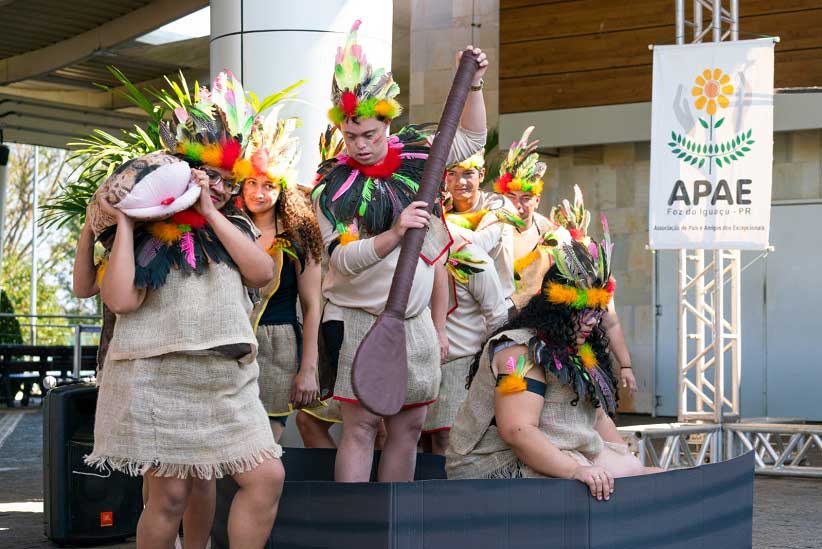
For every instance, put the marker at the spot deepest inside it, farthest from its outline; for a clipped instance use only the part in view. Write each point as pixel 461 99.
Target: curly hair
pixel 556 325
pixel 298 221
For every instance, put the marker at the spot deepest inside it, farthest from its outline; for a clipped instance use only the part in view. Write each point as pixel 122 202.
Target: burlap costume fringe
pixel 181 414
pixel 204 471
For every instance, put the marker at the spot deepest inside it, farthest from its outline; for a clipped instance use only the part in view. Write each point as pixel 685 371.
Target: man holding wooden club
pixel 364 201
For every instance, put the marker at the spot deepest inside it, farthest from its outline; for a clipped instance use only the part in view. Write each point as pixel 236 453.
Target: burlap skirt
pixel 443 412
pixel 422 351
pixel 278 357
pixel 183 415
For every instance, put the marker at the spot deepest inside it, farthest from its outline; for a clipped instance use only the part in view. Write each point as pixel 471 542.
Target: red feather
pixel 189 217
pixel 232 149
pixel 611 287
pixel 348 102
pixel 383 169
pixel 503 181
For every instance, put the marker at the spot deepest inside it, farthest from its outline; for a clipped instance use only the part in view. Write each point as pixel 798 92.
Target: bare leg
pixel 254 507
pixel 160 520
pixel 622 465
pixel 314 431
pixel 356 452
pixel 399 458
pixel 199 515
pixel 382 436
pixel 277 429
pixel 439 442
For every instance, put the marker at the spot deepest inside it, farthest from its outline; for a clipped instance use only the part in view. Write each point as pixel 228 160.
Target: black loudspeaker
pixel 82 505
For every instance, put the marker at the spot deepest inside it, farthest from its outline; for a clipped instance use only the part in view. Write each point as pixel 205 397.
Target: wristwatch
pixel 478 88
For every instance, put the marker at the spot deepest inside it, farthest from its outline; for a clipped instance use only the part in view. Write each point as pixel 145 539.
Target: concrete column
pixel 270 45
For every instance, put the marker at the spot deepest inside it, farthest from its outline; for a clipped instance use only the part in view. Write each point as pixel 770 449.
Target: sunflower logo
pixel 711 90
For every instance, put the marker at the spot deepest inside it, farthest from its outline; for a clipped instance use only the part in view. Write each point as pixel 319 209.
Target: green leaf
pixel 718 161
pixel 719 122
pixel 704 124
pixel 701 163
pixel 749 133
pixel 733 157
pixel 672 144
pixel 688 158
pixel 723 147
pixel 681 155
pixel 673 136
pixel 676 151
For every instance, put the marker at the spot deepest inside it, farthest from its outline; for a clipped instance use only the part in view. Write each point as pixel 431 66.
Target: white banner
pixel 712 146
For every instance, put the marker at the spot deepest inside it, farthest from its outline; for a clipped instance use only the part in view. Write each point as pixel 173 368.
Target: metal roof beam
pixel 138 22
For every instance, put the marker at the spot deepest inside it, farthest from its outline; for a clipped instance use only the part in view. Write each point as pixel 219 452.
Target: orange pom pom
pixel 598 298
pixel 212 155
pixel 348 238
pixel 560 295
pixel 511 384
pixel 167 233
pixel 243 169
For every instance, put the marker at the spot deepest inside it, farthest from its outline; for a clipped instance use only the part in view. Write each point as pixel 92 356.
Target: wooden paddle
pixel 379 374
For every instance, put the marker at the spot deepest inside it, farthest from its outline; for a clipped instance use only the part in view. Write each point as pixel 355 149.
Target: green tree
pixel 9 327
pixel 55 249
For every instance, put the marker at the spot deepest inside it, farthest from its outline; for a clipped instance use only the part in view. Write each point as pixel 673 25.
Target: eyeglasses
pixel 215 177
pixel 591 316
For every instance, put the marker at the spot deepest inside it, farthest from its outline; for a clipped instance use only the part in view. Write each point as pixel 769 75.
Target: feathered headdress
pixel 272 151
pixel 358 91
pixel 521 170
pixel 586 273
pixel 473 162
pixel 214 128
pixel 573 217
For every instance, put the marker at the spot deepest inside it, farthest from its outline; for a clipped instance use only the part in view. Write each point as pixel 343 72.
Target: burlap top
pixel 476 450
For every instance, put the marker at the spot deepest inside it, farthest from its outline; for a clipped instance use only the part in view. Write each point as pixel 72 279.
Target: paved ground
pixel 787 512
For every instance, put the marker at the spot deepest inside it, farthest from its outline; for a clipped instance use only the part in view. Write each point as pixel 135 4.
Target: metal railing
pixel 74 338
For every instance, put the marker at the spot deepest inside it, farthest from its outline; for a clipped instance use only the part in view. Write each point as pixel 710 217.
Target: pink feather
pixel 421 156
pixel 557 363
pixel 346 185
pixel 511 365
pixel 187 246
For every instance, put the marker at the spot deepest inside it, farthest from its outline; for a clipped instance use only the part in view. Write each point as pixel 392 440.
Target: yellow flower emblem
pixel 711 90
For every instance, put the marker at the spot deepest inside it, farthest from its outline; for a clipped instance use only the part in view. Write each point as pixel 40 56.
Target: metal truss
pixel 675 445
pixel 779 449
pixel 708 315
pixel 709 334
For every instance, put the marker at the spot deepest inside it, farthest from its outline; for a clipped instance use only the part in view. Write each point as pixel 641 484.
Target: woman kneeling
pixel 538 388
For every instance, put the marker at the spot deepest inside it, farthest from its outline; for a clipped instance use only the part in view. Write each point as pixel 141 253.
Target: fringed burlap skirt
pixel 443 412
pixel 278 357
pixel 183 415
pixel 422 351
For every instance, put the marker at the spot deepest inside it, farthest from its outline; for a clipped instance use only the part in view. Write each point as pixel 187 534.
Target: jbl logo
pixel 106 518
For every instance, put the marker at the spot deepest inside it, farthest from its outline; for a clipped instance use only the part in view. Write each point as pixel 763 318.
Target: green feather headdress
pixel 521 170
pixel 359 91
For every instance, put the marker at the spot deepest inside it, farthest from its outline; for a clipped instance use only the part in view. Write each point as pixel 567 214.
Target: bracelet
pixel 479 87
